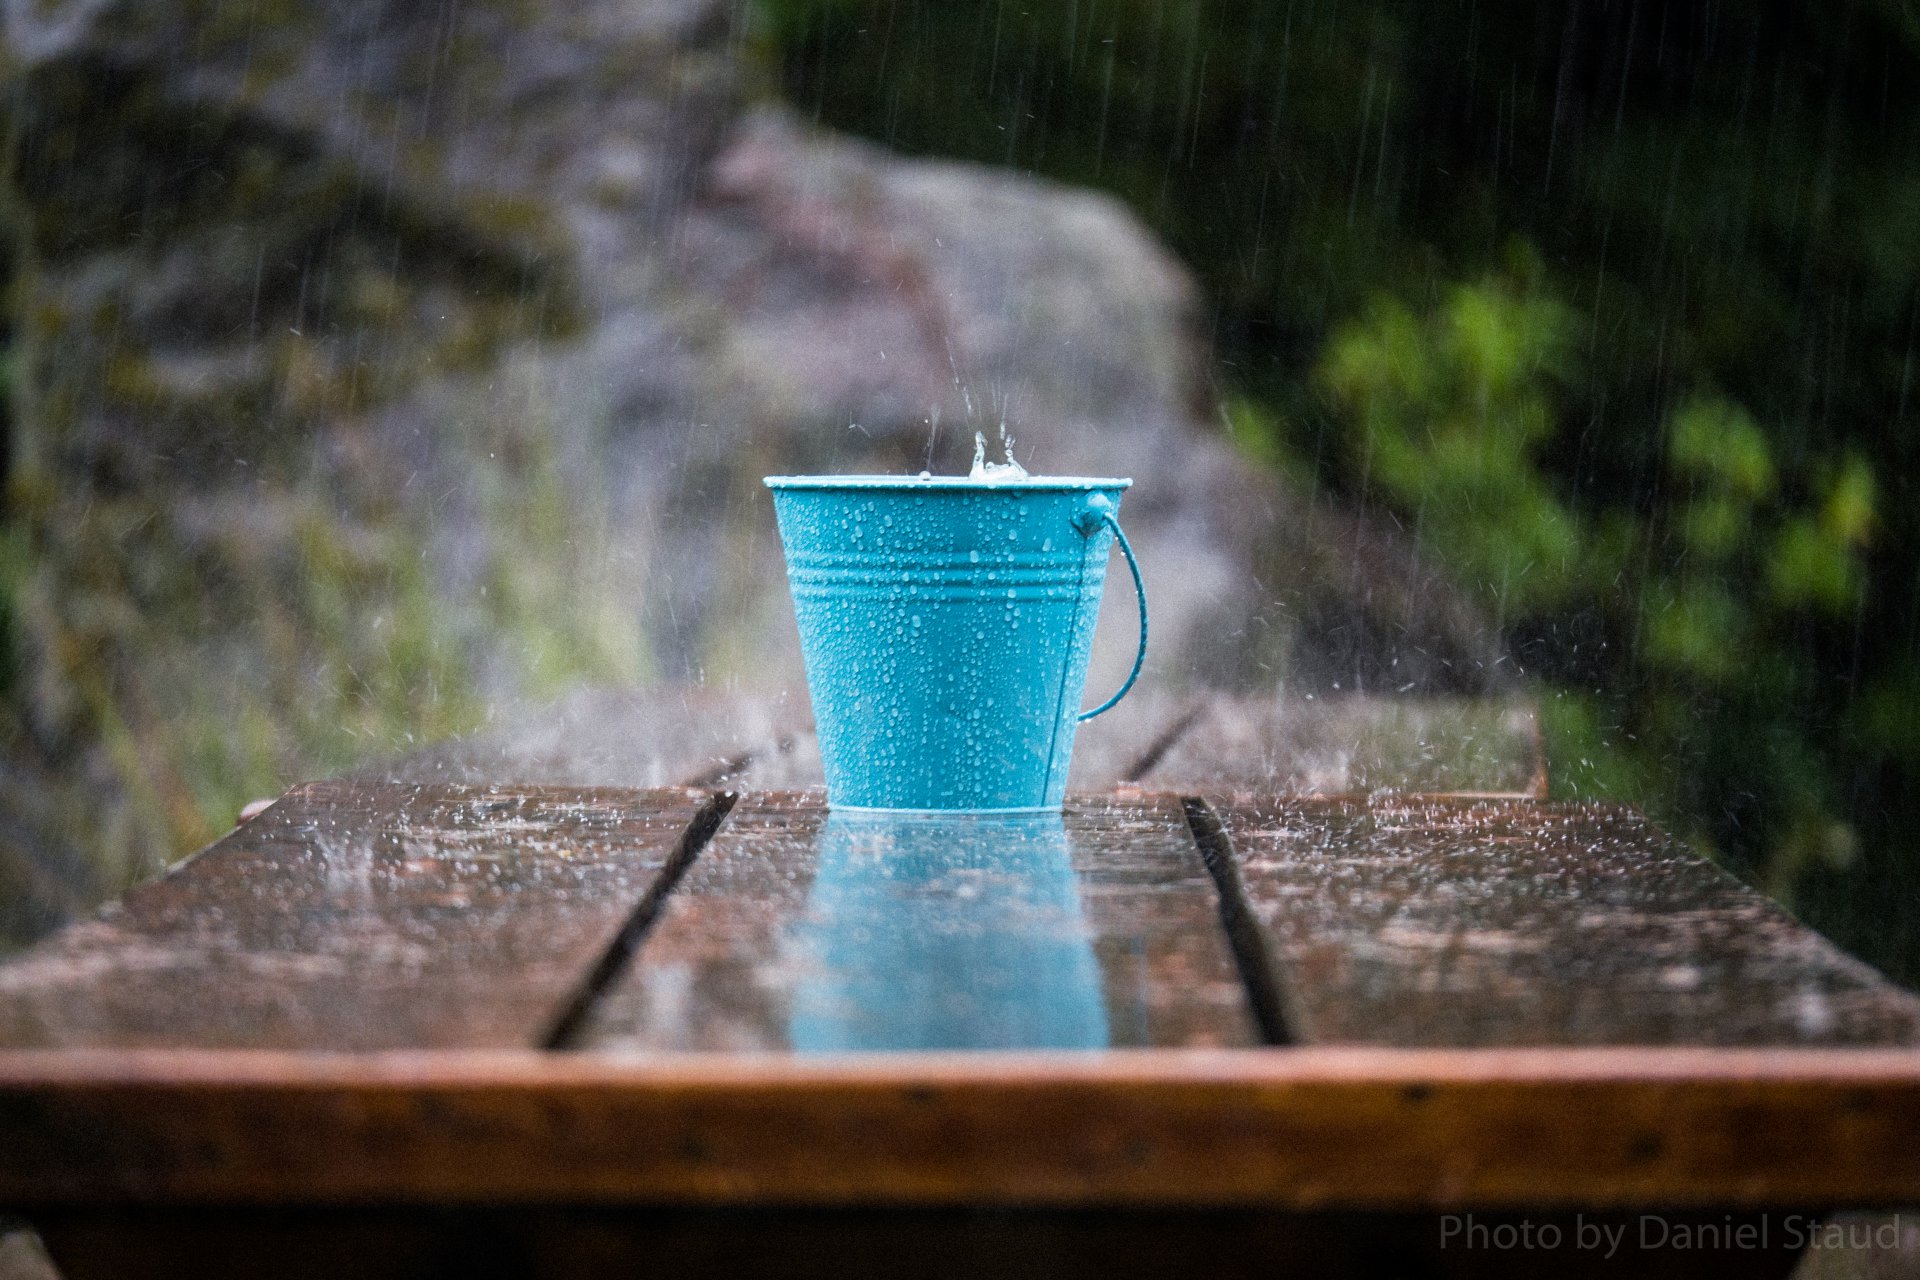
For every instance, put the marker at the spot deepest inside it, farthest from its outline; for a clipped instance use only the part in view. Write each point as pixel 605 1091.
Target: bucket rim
pixel 967 484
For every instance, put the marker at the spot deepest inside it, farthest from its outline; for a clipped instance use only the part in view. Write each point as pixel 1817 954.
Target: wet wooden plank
pixel 1444 921
pixel 667 736
pixel 764 741
pixel 794 929
pixel 1301 1128
pixel 761 741
pixel 358 916
pixel 1358 744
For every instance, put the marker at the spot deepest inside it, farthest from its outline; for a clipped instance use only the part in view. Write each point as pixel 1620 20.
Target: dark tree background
pixel 1613 303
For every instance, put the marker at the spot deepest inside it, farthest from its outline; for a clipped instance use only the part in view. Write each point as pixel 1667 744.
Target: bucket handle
pixel 1100 512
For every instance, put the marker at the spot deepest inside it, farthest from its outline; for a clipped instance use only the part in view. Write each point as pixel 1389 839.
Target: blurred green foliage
pixel 1614 304
pixel 1448 413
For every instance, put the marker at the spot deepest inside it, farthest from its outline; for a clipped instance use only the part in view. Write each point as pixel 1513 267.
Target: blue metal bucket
pixel 946 625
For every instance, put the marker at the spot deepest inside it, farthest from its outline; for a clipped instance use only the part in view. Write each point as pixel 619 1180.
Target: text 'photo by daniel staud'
pixel 1649 1232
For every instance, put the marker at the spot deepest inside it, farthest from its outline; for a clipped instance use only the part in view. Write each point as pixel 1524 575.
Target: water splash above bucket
pixel 990 471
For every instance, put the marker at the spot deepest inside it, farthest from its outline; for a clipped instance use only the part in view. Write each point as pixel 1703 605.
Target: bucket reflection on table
pixel 945 931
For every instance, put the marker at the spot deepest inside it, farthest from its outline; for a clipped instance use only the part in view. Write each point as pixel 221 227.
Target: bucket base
pixel 937 813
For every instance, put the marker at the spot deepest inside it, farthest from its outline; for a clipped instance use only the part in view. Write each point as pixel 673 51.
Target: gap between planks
pixel 1269 993
pixel 565 1030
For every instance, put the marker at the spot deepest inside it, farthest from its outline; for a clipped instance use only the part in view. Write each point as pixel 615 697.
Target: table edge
pixel 1294 1129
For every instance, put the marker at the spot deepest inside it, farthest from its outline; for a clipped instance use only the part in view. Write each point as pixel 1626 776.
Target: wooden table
pixel 1322 985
